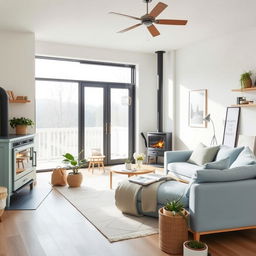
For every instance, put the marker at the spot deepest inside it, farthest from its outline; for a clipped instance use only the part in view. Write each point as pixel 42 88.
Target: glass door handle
pixel 109 128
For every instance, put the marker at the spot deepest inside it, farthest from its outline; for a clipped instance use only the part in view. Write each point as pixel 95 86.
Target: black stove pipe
pixel 3 113
pixel 160 63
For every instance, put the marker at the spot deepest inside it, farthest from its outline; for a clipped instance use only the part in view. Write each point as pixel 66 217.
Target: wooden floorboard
pixel 57 228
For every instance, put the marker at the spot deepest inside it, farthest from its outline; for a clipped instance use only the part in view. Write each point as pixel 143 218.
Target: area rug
pixel 98 206
pixel 27 199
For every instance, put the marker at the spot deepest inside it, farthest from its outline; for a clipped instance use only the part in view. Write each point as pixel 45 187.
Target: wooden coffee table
pixel 120 169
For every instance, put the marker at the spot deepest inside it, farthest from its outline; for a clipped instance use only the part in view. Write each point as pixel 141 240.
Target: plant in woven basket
pixel 175 207
pixel 195 248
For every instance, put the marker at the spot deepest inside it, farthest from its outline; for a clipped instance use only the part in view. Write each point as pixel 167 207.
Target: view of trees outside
pixel 57 110
pixel 56 121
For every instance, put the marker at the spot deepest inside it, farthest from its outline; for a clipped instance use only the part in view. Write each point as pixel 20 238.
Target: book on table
pixel 147 179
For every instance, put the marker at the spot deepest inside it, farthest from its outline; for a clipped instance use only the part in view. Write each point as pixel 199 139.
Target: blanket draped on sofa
pixel 126 197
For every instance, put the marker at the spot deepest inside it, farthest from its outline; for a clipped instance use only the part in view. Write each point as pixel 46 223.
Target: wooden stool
pixel 96 160
pixel 3 196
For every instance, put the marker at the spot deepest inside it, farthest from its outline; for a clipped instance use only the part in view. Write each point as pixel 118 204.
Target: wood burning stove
pixel 157 143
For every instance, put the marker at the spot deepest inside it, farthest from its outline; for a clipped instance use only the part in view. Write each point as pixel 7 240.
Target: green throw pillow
pixel 203 154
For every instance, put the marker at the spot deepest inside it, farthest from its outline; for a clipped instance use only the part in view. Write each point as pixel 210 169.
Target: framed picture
pixel 197 108
pixel 231 126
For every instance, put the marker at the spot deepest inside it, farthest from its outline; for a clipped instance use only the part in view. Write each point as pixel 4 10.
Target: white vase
pixel 128 166
pixel 193 252
pixel 139 164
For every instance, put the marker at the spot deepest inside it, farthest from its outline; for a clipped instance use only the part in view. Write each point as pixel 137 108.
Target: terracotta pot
pixel 173 232
pixel 187 251
pixel 74 180
pixel 21 129
pixel 247 83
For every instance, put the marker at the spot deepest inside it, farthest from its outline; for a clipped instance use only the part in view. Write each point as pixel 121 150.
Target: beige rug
pixel 98 206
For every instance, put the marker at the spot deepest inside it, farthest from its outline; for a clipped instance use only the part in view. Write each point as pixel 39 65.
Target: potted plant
pixel 173 228
pixel 139 158
pixel 21 124
pixel 128 164
pixel 195 248
pixel 74 178
pixel 246 81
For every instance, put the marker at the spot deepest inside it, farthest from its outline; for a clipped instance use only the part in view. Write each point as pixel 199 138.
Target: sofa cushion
pixel 246 157
pixel 219 165
pixel 183 169
pixel 228 152
pixel 203 154
pixel 233 174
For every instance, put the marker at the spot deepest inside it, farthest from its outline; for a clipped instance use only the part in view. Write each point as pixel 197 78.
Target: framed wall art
pixel 231 126
pixel 197 108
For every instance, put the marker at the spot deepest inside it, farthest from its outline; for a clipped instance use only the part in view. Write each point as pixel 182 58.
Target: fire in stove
pixel 159 144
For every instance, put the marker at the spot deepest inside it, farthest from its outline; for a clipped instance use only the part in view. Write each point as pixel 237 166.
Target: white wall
pixel 145 76
pixel 216 65
pixel 17 70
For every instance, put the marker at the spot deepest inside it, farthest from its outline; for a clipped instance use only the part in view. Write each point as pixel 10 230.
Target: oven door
pixel 24 160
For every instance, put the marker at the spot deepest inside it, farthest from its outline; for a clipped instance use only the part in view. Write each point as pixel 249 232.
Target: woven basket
pixel 59 177
pixel 173 232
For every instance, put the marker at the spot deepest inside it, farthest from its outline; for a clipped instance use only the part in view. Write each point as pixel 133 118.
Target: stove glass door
pixel 23 160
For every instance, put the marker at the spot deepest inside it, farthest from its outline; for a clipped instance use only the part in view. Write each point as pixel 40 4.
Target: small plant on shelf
pixel 21 124
pixel 245 80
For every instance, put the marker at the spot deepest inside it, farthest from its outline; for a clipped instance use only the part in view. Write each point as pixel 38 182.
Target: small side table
pixel 3 196
pixel 96 160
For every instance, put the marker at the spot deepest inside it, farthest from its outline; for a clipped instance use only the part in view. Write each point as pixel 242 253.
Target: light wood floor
pixel 57 228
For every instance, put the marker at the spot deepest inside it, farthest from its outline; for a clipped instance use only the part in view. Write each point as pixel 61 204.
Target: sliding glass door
pixel 107 120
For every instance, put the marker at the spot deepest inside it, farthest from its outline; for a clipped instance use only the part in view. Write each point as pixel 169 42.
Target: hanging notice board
pixel 231 126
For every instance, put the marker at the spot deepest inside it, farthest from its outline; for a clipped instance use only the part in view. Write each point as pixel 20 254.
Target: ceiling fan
pixel 150 18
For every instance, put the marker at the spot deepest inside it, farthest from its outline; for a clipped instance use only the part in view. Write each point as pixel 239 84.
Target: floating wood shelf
pixel 245 90
pixel 244 105
pixel 19 101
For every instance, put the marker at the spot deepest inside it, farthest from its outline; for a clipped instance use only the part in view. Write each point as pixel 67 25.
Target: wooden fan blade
pixel 153 30
pixel 158 9
pixel 135 18
pixel 127 29
pixel 171 22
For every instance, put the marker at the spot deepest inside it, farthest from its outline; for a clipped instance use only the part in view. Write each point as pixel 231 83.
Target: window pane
pixel 119 123
pixel 93 128
pixel 47 68
pixel 56 122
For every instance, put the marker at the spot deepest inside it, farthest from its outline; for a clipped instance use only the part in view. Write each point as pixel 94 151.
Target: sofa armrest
pixel 222 205
pixel 175 156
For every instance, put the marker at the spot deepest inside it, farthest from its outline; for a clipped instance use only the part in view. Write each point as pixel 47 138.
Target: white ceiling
pixel 84 22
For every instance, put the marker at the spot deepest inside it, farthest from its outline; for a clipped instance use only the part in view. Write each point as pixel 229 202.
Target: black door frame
pixel 107 86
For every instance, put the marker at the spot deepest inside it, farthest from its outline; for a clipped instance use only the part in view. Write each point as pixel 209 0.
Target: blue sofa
pixel 218 200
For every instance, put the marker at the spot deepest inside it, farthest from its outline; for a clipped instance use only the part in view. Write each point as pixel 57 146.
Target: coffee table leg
pixel 110 179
